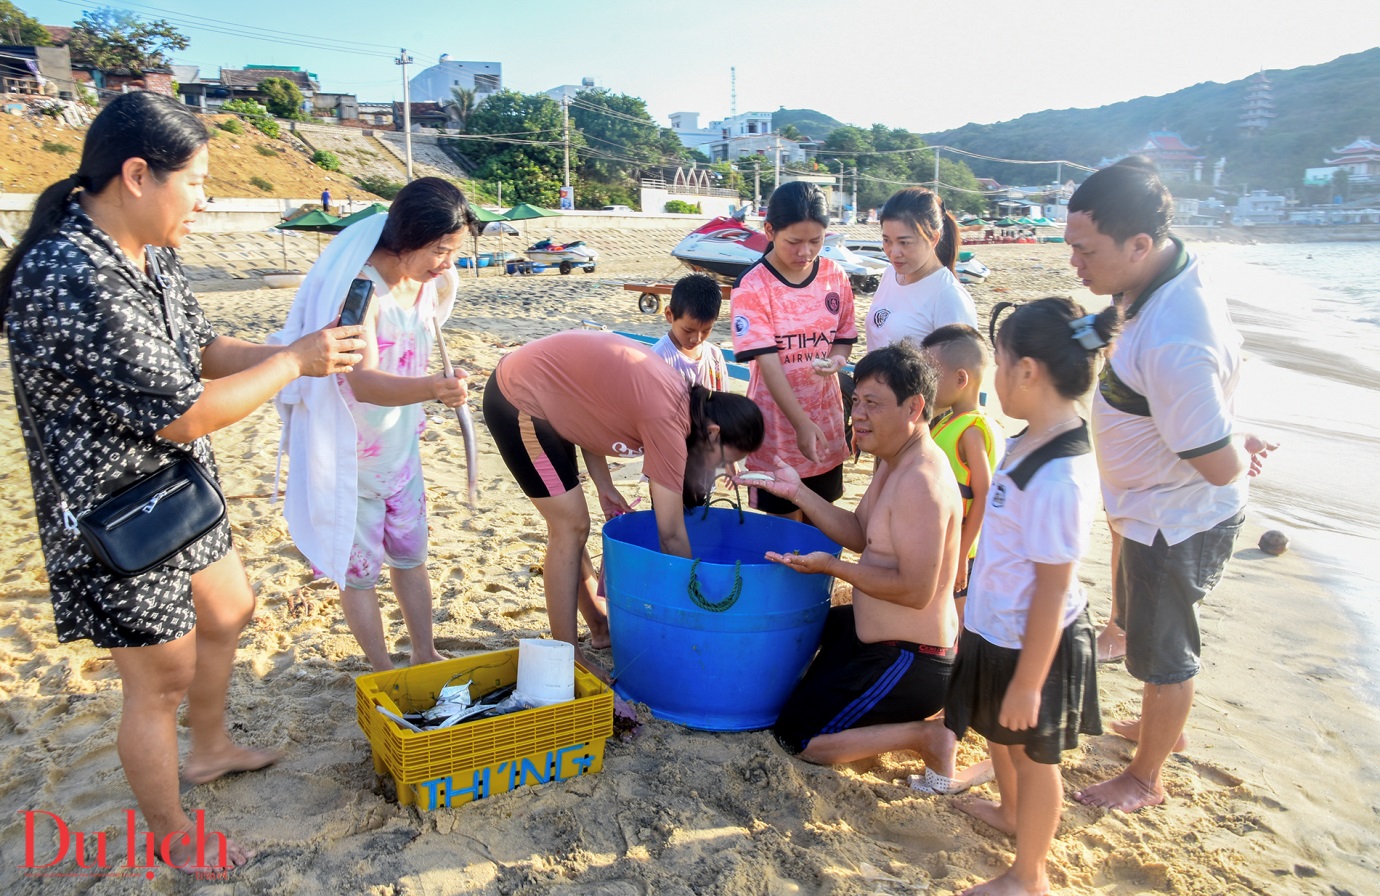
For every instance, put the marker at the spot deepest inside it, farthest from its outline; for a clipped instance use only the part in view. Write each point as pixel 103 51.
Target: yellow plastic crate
pixel 474 760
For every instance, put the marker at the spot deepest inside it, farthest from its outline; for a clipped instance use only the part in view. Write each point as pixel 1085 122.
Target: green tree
pixel 621 136
pixel 525 152
pixel 20 29
pixel 791 132
pixel 1341 184
pixel 460 106
pixel 114 38
pixel 283 98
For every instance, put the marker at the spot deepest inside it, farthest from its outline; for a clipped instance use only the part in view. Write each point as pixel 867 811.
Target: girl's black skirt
pixel 1068 700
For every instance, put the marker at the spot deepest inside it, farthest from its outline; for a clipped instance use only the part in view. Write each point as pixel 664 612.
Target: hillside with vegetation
pixel 808 122
pixel 1319 107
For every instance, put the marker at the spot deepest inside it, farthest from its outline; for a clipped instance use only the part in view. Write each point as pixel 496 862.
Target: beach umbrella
pixel 317 221
pixel 524 211
pixel 373 208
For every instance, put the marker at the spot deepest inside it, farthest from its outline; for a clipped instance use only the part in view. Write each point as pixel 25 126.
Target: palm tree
pixel 460 105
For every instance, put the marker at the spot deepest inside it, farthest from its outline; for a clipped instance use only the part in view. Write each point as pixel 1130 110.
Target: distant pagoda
pixel 1259 106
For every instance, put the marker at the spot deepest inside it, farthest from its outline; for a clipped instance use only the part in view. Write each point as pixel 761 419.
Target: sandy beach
pixel 1273 795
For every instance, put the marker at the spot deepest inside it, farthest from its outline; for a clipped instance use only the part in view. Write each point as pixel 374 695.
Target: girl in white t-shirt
pixel 1026 673
pixel 919 292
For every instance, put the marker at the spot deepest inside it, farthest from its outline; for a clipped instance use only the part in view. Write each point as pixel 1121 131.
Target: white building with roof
pixel 732 138
pixel 434 84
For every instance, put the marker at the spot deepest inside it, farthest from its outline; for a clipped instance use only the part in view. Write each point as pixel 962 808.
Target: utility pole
pixel 936 169
pixel 565 125
pixel 776 183
pixel 404 60
pixel 756 186
pixel 843 189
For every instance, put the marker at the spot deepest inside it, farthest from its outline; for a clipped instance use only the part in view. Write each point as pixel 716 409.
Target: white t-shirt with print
pixel 1183 354
pixel 918 309
pixel 1048 521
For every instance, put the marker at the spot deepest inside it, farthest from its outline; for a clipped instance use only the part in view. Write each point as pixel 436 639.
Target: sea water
pixel 1310 315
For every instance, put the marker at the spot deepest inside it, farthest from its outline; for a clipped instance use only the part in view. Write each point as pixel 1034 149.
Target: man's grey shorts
pixel 1160 587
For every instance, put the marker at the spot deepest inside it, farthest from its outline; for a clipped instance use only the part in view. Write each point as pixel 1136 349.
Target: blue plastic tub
pixel 729 667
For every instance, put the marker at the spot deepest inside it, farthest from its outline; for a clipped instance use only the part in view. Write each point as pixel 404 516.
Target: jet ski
pixel 723 248
pixel 566 256
pixel 726 247
pixel 968 269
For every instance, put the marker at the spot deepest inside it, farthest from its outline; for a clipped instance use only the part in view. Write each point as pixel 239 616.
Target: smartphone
pixel 357 302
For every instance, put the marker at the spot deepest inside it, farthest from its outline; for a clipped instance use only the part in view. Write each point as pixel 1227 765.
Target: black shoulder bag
pixel 146 524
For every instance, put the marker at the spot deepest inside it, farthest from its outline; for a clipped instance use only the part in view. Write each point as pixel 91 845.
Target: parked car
pixel 616 208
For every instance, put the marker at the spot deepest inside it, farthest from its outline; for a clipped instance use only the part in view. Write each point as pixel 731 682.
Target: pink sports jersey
pixel 799 324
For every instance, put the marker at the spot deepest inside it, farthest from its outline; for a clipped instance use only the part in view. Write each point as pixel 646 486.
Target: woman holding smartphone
pixel 123 375
pixel 354 441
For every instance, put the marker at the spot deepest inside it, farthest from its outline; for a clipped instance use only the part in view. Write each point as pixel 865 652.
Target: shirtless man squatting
pixel 883 666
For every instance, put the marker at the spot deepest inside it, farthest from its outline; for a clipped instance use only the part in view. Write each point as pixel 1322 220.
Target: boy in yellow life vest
pixel 969 437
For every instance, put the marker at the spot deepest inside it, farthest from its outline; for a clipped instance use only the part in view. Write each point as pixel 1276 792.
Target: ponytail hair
pixel 140 125
pixel 923 211
pixel 1058 333
pixel 740 427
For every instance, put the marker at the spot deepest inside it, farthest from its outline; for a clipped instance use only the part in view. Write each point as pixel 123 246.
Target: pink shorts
pixel 389 530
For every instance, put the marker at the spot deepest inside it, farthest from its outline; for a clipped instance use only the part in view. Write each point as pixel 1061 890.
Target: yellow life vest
pixel 947 430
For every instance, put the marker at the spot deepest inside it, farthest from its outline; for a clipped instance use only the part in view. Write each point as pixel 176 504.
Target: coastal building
pixel 1175 159
pixel 567 92
pixel 44 71
pixel 745 134
pixel 376 114
pixel 1360 159
pixel 243 83
pixel 336 106
pixel 1259 207
pixel 434 84
pixel 422 115
pixel 1259 108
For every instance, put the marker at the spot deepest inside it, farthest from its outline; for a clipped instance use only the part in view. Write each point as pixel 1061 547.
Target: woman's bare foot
pixel 1125 792
pixel 1130 729
pixel 204 768
pixel 1009 885
pixel 422 657
pixel 989 812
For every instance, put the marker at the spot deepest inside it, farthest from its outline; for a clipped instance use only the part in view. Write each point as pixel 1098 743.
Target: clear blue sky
pixel 916 64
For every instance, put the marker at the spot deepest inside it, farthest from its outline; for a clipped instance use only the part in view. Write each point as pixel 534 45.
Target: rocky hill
pixel 37 149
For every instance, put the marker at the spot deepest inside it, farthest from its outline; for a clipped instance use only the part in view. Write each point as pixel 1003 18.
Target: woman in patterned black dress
pixel 115 385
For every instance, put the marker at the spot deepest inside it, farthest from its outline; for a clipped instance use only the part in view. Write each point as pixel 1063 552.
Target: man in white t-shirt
pixel 1173 470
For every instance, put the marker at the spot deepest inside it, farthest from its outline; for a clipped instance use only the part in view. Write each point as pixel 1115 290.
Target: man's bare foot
pixel 600 640
pixel 989 812
pixel 183 855
pixel 1009 885
pixel 1111 644
pixel 1130 729
pixel 207 767
pixel 1125 792
pixel 938 746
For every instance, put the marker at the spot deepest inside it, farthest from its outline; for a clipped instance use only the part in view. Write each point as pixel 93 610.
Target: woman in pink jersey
pixel 793 318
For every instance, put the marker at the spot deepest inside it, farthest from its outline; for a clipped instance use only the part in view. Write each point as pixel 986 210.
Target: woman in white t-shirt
pixel 919 292
pixel 1026 673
